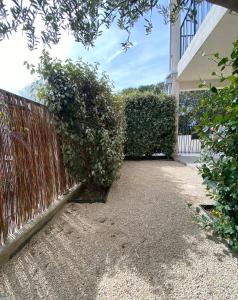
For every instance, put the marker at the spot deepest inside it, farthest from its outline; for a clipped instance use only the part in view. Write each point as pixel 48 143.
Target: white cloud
pixel 119 52
pixel 114 55
pixel 13 52
pixel 105 46
pixel 144 63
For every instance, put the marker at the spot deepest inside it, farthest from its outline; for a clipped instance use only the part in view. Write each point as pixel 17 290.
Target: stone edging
pixel 17 240
pixel 190 165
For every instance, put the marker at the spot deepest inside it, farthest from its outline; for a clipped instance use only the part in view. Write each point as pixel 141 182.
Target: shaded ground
pixel 140 245
pixel 190 160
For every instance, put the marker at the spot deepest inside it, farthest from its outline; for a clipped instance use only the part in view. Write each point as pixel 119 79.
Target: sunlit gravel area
pixel 141 245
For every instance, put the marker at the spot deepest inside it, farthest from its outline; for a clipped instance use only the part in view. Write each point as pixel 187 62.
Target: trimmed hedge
pixel 150 122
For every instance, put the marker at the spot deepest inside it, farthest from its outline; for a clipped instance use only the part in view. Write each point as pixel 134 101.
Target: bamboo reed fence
pixel 32 174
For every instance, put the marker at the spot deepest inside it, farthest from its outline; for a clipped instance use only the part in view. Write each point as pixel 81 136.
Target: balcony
pixel 213 31
pixel 191 23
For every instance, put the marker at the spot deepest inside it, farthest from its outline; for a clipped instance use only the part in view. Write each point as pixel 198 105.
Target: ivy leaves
pixel 89 119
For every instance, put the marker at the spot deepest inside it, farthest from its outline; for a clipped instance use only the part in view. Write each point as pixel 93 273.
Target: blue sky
pixel 145 63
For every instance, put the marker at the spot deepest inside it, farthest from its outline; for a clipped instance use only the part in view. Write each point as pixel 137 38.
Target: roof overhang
pixel 216 34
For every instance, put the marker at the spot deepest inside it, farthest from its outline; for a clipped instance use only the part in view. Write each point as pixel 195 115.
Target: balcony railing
pixel 193 19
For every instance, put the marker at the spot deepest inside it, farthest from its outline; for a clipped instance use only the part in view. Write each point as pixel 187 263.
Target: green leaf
pixel 213 89
pixel 223 61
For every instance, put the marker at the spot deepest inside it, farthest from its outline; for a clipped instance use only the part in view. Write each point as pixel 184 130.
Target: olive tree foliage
pixel 84 19
pixel 157 88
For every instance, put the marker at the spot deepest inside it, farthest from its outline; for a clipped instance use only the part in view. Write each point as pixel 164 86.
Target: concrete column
pixel 174 43
pixel 174 59
pixel 176 91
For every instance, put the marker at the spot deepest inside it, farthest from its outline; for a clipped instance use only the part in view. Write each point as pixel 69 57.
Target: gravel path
pixel 140 245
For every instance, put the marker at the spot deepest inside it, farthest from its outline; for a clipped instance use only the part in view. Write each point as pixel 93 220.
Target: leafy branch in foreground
pixel 218 130
pixel 44 20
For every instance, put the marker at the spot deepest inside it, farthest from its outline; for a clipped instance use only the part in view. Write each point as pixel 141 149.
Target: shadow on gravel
pixel 111 251
pixel 156 157
pixel 216 239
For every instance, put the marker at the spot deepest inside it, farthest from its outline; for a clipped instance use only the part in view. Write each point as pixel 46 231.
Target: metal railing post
pixel 187 32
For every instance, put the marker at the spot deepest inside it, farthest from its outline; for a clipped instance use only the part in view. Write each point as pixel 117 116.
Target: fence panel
pixel 32 174
pixel 188 141
pixel 188 145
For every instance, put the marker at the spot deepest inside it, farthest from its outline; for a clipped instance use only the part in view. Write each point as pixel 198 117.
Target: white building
pixel 214 31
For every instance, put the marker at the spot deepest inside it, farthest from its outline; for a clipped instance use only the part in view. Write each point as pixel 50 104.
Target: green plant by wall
pixel 188 103
pixel 218 130
pixel 150 120
pixel 89 118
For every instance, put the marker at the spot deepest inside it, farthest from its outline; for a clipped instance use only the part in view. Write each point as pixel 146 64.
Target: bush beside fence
pixel 32 174
pixel 90 120
pixel 150 122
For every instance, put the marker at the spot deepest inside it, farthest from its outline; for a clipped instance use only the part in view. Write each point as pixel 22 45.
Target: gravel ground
pixel 140 245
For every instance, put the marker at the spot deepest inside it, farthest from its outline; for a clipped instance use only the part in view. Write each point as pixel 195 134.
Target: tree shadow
pixel 128 248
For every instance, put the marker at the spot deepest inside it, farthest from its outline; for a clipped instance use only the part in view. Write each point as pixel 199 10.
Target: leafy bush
pixel 150 120
pixel 153 88
pixel 89 119
pixel 218 130
pixel 188 103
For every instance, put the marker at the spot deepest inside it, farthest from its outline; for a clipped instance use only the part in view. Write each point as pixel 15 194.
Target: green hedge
pixel 150 120
pixel 90 119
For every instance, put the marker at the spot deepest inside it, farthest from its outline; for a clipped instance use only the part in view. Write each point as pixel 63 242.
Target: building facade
pixel 192 43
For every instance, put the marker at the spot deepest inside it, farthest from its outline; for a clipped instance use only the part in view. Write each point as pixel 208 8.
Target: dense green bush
pixel 150 120
pixel 218 130
pixel 156 88
pixel 89 119
pixel 188 103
